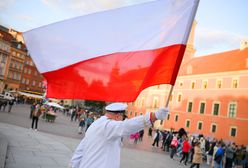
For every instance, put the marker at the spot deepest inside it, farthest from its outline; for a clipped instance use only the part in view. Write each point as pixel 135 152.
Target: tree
pixel 95 106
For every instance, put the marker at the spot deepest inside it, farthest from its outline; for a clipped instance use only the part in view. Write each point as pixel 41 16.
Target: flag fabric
pixel 113 55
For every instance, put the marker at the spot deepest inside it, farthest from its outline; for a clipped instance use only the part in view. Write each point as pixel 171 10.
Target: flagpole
pixel 168 100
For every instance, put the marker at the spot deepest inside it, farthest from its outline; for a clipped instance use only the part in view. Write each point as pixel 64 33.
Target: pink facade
pixel 216 89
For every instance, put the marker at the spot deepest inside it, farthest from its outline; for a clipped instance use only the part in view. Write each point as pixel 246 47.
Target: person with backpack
pixel 173 145
pixel 218 157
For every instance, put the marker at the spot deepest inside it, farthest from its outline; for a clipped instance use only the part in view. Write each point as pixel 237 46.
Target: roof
pixel 6 36
pixel 235 60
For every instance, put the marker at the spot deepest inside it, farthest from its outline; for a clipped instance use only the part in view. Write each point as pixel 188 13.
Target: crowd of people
pixel 199 149
pixel 84 117
pixel 190 149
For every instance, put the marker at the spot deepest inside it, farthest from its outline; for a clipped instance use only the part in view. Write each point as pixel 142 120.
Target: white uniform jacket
pixel 101 145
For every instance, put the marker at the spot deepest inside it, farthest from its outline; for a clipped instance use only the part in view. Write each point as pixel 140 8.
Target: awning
pixel 31 95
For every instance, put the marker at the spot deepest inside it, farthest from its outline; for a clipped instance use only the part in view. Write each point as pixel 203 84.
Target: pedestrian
pixel 156 138
pixel 164 135
pixel 173 145
pixel 230 150
pixel 218 157
pixel 136 137
pixel 5 103
pixel 73 113
pixel 210 153
pixel 81 123
pixel 102 142
pixel 141 134
pixel 197 158
pixel 32 108
pixel 35 116
pixel 185 149
pixel 89 121
pixel 11 103
pixel 150 132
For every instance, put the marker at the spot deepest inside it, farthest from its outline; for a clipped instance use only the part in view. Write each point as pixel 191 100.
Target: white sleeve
pixel 116 129
pixel 77 156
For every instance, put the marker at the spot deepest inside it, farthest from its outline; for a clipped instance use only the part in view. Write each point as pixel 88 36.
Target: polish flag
pixel 115 54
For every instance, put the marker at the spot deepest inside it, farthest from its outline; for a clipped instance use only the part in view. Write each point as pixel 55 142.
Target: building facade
pixel 4 54
pixel 17 70
pixel 210 96
pixel 15 66
pixel 31 79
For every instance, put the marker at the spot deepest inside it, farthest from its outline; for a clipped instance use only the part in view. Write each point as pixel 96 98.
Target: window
pixel 205 84
pixel 27 81
pixel 187 123
pixel 29 71
pixel 34 83
pixel 25 70
pixel 179 97
pixel 216 109
pixel 176 118
pixel 181 84
pixel 235 83
pixel 233 131
pixel 131 113
pixel 190 104
pixel 142 102
pixel 219 84
pixel 202 107
pixel 23 80
pixel 3 59
pixel 135 114
pixel 171 97
pixel 213 128
pixel 232 110
pixel 158 86
pixel 192 85
pixel 199 125
pixel 155 102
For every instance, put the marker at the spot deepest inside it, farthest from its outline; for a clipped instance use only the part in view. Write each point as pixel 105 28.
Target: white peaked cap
pixel 116 107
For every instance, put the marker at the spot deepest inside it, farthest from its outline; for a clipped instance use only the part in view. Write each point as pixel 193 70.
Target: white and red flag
pixel 115 54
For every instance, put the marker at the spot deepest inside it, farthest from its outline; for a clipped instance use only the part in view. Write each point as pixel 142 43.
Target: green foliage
pixel 95 106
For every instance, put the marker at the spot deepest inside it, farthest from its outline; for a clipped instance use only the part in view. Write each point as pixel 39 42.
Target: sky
pixel 221 24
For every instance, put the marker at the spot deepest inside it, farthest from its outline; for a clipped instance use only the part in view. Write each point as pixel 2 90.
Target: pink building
pixel 210 96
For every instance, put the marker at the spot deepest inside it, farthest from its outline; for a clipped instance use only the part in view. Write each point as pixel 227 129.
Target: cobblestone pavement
pixel 59 140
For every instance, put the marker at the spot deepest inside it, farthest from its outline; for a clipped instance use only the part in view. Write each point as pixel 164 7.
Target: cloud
pixel 4 4
pixel 212 40
pixel 52 4
pixel 25 18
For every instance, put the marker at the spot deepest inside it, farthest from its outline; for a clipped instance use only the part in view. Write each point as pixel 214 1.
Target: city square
pixel 119 83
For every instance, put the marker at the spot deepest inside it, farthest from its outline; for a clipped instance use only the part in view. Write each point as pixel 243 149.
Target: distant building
pixel 31 80
pixel 17 70
pixel 210 96
pixel 4 54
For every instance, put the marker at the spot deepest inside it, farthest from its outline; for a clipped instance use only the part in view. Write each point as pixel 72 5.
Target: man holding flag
pixel 112 56
pixel 102 142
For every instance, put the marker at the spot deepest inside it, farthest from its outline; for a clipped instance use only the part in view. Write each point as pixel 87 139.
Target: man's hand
pixel 161 113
